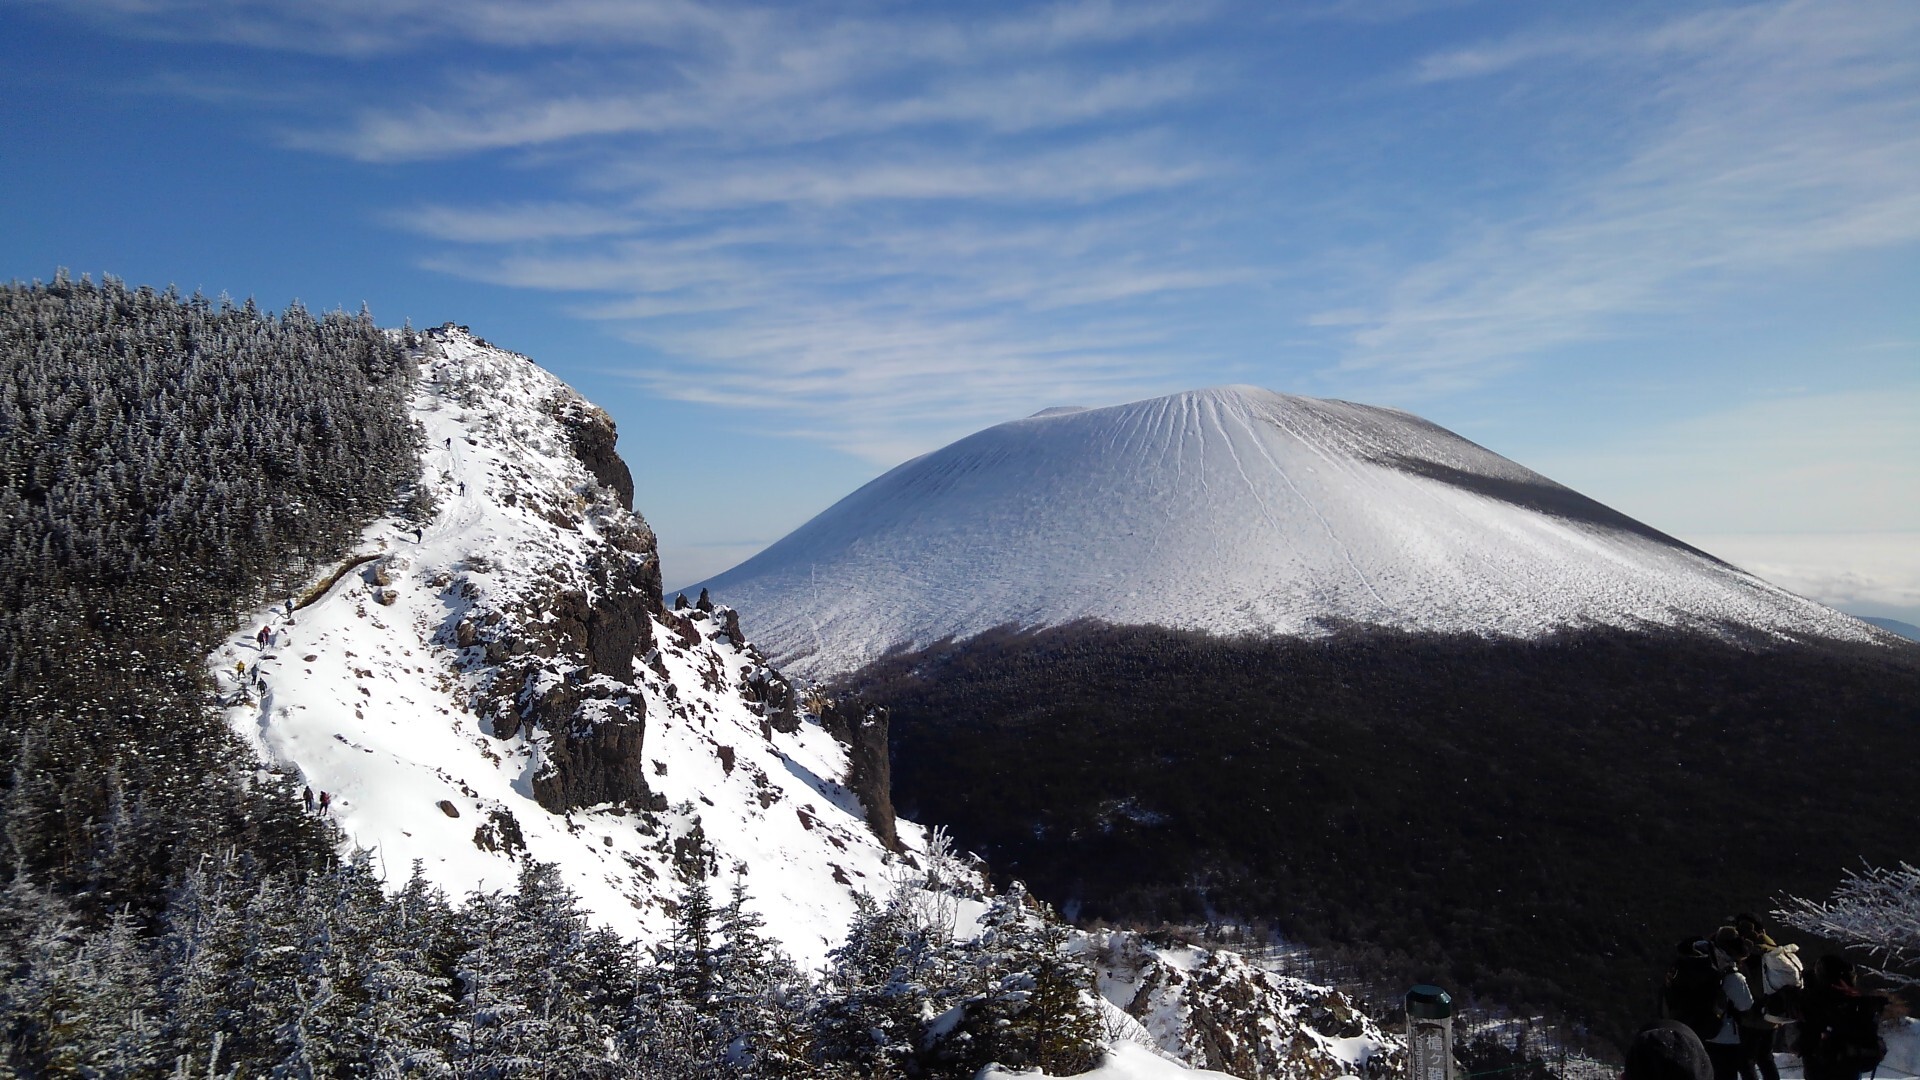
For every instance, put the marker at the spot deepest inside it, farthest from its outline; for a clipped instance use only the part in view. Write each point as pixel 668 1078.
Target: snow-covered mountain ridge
pixel 506 685
pixel 1230 510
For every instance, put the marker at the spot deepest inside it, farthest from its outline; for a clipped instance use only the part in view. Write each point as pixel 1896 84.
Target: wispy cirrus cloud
pixel 870 335
pixel 848 217
pixel 1066 199
pixel 516 223
pixel 1094 169
pixel 765 102
pixel 1776 134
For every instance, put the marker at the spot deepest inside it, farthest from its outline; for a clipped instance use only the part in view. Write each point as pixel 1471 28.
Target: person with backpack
pixel 1767 968
pixel 1706 992
pixel 1726 1048
pixel 1840 1026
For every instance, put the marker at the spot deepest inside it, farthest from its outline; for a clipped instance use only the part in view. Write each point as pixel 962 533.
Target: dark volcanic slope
pixel 1536 819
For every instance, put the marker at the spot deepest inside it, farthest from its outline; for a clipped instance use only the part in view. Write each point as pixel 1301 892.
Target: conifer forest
pixel 168 908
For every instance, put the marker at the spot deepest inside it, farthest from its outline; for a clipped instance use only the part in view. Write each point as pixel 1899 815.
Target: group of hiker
pixel 264 638
pixel 1732 999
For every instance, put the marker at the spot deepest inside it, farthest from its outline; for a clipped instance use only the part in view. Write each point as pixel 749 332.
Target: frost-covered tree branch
pixel 1875 910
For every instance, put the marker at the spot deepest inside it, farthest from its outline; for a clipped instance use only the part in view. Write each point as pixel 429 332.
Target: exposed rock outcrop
pixel 591 433
pixel 524 699
pixel 595 733
pixel 863 731
pixel 566 652
pixel 1215 1010
pixel 608 622
pixel 773 696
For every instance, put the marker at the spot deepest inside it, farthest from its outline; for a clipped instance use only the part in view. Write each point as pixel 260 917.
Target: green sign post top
pixel 1427 1002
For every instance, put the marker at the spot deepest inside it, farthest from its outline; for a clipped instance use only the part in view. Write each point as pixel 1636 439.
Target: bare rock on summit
pixel 592 434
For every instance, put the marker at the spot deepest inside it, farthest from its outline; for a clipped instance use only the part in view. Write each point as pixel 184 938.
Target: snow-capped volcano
pixel 1231 510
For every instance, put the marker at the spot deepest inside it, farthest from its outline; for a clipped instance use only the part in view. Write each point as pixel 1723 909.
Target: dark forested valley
pixel 1536 821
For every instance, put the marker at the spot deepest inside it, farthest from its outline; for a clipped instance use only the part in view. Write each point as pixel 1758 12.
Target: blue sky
pixel 1668 254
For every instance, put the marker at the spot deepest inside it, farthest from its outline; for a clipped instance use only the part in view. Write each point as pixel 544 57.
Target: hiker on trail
pixel 289 607
pixel 1840 1026
pixel 416 536
pixel 306 796
pixel 463 487
pixel 449 442
pixel 1667 1050
pixel 1772 973
pixel 239 669
pixel 263 637
pixel 1706 992
pixel 1726 1049
pixel 326 801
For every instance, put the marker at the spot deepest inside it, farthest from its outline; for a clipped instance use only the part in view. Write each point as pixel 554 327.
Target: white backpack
pixel 1781 980
pixel 1780 968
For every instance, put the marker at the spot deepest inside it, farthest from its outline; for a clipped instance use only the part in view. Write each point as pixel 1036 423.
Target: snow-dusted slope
pixel 368 694
pixel 1230 510
pixel 1212 1009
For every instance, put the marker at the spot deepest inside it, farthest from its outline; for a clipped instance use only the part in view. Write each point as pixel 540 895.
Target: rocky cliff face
pixel 590 431
pixel 1212 1009
pixel 497 680
pixel 567 671
pixel 863 730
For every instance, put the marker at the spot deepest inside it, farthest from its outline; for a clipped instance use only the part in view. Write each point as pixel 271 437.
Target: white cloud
pixel 1864 573
pixel 853 217
pixel 1099 169
pixel 360 28
pixel 747 103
